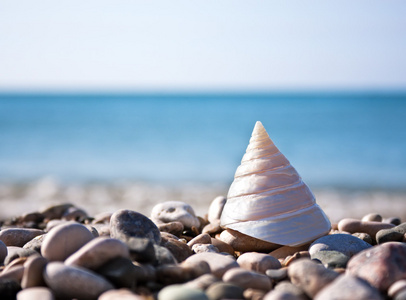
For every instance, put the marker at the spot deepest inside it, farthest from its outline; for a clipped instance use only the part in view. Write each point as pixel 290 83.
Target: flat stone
pixel 218 263
pixel 215 209
pixel 345 243
pixel 18 236
pixel 310 276
pixel 245 243
pixel 3 252
pixel 175 211
pixel 34 268
pixel 74 282
pixel 181 292
pixel 122 294
pixel 381 265
pixel 394 234
pixel 125 224
pixel 198 248
pixel 348 288
pixel 222 290
pixel 35 293
pixel 258 262
pixel 97 252
pixel 247 279
pixel 15 273
pixel 331 259
pixel 64 240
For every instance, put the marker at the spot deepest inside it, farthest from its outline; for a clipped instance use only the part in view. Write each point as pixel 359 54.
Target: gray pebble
pixel 125 224
pixel 120 271
pixel 331 259
pixel 344 243
pixel 35 243
pixel 258 262
pixel 199 248
pixel 181 292
pixel 394 234
pixel 222 290
pixel 247 279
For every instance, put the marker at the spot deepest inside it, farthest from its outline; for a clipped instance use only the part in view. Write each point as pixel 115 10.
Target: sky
pixel 224 45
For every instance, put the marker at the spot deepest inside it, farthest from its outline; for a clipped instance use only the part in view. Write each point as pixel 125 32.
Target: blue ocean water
pixel 332 139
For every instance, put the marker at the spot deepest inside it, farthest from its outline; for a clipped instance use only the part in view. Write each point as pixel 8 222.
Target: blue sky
pixel 202 45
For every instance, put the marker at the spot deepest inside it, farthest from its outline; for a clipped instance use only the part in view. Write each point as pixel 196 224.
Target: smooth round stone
pixel 125 224
pixel 212 228
pixel 181 292
pixel 397 287
pixel 400 296
pixel 285 251
pixel 202 282
pixel 175 228
pixel 258 262
pixel 122 294
pixel 216 208
pixel 120 271
pixel 344 243
pixel 35 293
pixel 63 240
pixel 372 217
pixel 247 279
pixel 349 288
pixel 277 274
pixel 222 290
pixel 370 227
pixel 310 276
pixel 179 250
pixel 36 243
pixel 18 237
pixel 34 267
pixel 331 259
pixel 381 265
pixel 175 211
pixel 74 282
pixel 223 247
pixel 97 252
pixel 202 238
pixel 218 263
pixel 394 234
pixel 198 248
pixel 3 252
pixel 245 243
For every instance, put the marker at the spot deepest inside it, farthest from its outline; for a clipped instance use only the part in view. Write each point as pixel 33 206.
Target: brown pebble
pixel 18 237
pixel 285 251
pixel 218 263
pixel 203 238
pixel 223 247
pixel 175 228
pixel 245 243
pixel 55 211
pixel 34 267
pixel 15 273
pixel 258 262
pixel 179 249
pixel 369 227
pixel 253 294
pixel 212 228
pixel 247 279
pixel 298 255
pixel 202 282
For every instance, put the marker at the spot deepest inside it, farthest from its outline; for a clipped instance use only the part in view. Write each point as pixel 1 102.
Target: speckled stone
pixel 63 240
pixel 365 237
pixel 179 249
pixel 381 265
pixel 258 262
pixel 3 252
pixel 331 259
pixel 18 237
pixel 247 279
pixel 198 248
pixel 74 282
pixel 216 208
pixel 126 223
pixel 245 243
pixel 222 290
pixel 344 243
pixel 171 211
pixel 35 243
pixel 181 292
pixel 35 293
pixel 348 287
pixel 34 267
pixel 310 276
pixel 17 252
pixel 121 294
pixel 218 263
pixel 394 234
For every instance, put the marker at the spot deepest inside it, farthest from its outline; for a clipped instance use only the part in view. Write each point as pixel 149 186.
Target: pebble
pixel 277 275
pixel 247 279
pixel 223 247
pixel 171 211
pixel 345 243
pixel 298 255
pixel 122 294
pixel 381 265
pixel 397 287
pixel 3 252
pixel 218 263
pixel 212 228
pixel 34 267
pixel 181 292
pixel 120 271
pixel 141 249
pixel 202 238
pixel 35 293
pixel 375 217
pixel 348 288
pixel 215 209
pixel 370 227
pixel 245 243
pixel 286 290
pixel 179 249
pixel 18 237
pixel 163 256
pixel 285 251
pixel 175 228
pixel 202 282
pixel 310 276
pixel 331 259
pixel 36 243
pixel 63 240
pixel 74 282
pixel 97 252
pixel 222 290
pixel 198 248
pixel 126 223
pixel 394 234
pixel 365 237
pixel 392 220
pixel 17 252
pixel 258 262
pixel 170 274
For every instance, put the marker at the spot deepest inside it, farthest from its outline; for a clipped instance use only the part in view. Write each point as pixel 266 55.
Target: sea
pixel 337 140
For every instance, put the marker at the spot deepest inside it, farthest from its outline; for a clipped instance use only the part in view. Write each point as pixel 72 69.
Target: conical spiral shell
pixel 268 199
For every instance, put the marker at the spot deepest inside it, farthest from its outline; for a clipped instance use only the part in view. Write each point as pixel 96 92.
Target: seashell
pixel 268 199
